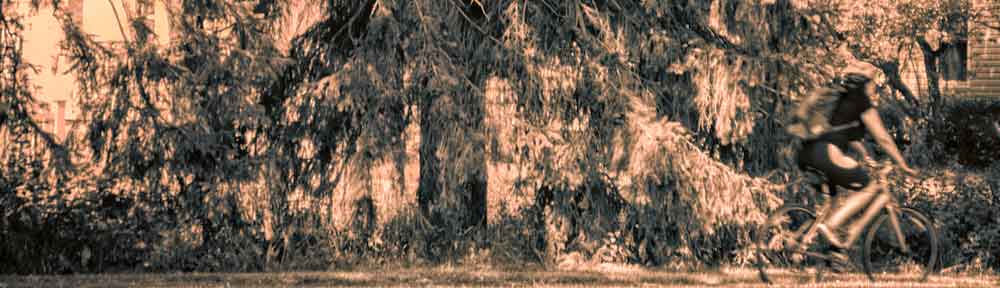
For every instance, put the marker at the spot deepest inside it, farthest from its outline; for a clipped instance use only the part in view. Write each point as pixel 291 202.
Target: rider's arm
pixel 874 125
pixel 859 147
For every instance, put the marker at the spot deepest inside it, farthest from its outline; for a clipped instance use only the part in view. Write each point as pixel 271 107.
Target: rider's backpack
pixel 811 115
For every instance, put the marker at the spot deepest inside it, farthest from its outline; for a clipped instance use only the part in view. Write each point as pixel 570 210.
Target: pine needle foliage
pixel 388 131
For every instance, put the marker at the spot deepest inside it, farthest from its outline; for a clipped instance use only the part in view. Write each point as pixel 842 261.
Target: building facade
pixel 57 111
pixel 970 67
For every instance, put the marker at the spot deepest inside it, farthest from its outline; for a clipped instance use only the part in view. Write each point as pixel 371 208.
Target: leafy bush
pixel 965 205
pixel 966 132
pixel 97 232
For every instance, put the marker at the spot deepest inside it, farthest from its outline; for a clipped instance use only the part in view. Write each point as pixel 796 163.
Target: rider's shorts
pixel 817 156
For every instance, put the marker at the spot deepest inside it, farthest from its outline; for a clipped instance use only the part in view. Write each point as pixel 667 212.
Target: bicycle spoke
pixel 883 253
pixel 779 249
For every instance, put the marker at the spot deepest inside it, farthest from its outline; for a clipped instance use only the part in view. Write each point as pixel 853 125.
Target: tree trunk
pixel 931 58
pixel 476 188
pixel 452 186
pixel 891 70
pixel 429 188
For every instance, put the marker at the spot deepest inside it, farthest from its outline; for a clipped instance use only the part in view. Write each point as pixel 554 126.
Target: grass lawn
pixel 599 275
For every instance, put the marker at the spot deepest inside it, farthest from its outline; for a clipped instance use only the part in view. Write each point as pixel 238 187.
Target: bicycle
pixel 898 240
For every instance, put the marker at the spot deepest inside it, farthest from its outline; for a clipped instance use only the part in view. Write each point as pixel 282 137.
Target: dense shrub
pixel 966 133
pixel 98 232
pixel 965 205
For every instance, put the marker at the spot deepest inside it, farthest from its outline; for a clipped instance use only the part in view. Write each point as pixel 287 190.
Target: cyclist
pixel 855 109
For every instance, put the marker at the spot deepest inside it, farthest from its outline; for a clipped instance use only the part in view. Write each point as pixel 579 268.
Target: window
pixel 954 58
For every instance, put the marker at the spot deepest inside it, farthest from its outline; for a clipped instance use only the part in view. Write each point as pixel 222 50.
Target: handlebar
pixel 883 168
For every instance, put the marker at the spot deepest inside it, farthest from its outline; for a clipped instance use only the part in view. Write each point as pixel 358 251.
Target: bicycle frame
pixel 883 201
pixel 894 223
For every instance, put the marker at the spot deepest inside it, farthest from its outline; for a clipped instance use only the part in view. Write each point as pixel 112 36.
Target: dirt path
pixel 607 276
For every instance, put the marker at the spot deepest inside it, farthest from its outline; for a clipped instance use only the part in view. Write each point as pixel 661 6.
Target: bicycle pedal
pixel 839 261
pixel 838 257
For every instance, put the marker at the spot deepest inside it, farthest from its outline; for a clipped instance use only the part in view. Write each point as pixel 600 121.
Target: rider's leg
pixel 848 207
pixel 845 172
pixel 853 203
pixel 874 207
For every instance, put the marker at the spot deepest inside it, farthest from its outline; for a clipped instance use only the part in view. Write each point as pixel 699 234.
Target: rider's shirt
pixel 849 108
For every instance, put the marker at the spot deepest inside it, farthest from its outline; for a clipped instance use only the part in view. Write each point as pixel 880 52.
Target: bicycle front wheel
pixel 779 260
pixel 884 258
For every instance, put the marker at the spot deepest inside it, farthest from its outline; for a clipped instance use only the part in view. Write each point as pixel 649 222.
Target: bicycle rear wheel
pixel 778 258
pixel 883 256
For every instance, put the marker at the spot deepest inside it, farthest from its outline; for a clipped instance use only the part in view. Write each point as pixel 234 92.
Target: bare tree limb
pixel 473 23
pixel 121 28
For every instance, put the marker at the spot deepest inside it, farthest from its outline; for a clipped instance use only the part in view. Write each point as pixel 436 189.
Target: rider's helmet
pixel 855 76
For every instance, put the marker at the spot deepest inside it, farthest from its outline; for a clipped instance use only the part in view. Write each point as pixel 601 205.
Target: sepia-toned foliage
pixel 29 186
pixel 391 131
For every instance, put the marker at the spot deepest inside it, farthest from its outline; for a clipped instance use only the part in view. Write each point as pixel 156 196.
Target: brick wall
pixel 982 63
pixel 984 59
